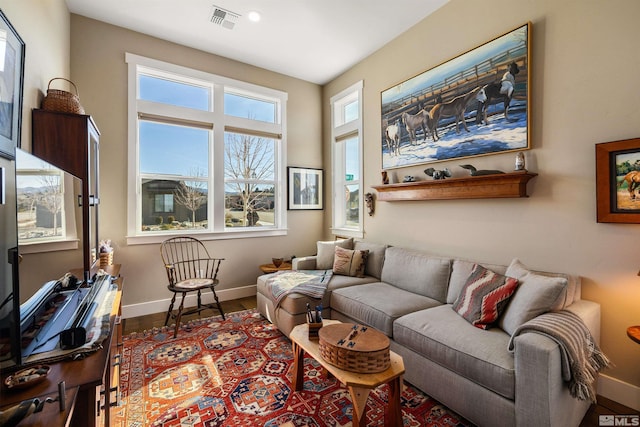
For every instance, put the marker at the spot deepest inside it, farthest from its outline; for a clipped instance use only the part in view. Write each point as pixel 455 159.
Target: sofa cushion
pixel 442 336
pixel 416 272
pixel 295 303
pixel 535 295
pixel 373 267
pixel 378 304
pixel 460 271
pixel 326 252
pixel 484 297
pixel 349 262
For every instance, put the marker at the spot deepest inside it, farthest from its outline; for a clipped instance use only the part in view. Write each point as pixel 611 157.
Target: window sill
pixel 347 232
pixel 204 236
pixel 39 247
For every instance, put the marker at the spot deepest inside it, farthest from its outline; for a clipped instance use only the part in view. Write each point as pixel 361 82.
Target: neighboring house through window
pixel 206 154
pixel 346 154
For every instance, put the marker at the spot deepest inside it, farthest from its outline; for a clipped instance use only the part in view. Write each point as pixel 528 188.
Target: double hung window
pixel 206 154
pixel 346 135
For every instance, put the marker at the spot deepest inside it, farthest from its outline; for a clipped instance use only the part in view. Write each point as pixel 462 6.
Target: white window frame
pixel 218 122
pixel 69 240
pixel 339 133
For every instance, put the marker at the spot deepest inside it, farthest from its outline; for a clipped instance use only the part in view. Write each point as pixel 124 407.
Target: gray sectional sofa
pixel 409 296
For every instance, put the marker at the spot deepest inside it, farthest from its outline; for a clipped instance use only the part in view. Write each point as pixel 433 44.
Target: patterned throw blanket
pixel 312 283
pixel 581 357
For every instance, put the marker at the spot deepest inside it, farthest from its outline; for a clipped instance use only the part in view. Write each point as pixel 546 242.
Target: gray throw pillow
pixel 326 252
pixel 535 295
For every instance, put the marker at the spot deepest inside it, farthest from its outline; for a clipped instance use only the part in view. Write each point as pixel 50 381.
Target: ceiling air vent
pixel 223 17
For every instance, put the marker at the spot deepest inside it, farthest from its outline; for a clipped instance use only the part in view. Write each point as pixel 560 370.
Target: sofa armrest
pixel 542 398
pixel 304 263
pixel 589 312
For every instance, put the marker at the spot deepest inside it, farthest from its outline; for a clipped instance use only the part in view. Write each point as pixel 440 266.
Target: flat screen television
pixel 42 241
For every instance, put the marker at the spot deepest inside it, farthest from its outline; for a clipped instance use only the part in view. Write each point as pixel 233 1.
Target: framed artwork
pixel 618 181
pixel 11 82
pixel 472 105
pixel 305 188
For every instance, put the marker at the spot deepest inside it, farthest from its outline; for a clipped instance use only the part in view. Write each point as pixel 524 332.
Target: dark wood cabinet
pixel 71 142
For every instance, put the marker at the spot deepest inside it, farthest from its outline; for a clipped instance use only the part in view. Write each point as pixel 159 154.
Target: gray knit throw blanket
pixel 581 357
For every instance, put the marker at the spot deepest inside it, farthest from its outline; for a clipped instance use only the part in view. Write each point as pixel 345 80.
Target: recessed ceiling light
pixel 253 16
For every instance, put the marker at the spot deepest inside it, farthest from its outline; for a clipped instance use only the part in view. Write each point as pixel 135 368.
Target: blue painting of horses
pixel 475 104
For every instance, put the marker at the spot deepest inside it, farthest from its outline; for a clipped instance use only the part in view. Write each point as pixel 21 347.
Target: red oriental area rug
pixel 238 372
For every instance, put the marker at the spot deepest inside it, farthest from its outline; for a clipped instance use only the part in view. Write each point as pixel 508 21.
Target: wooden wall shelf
pixel 513 184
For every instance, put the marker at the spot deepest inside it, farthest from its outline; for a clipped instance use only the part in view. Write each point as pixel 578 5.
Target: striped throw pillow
pixel 349 262
pixel 484 297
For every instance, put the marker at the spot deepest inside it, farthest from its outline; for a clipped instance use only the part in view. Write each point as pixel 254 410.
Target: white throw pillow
pixel 326 252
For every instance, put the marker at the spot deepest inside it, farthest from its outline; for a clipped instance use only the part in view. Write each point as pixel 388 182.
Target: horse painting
pixel 413 122
pixel 454 108
pixel 503 89
pixel 633 182
pixel 392 137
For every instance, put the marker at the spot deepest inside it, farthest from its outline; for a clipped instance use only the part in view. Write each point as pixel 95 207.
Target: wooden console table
pixel 513 184
pixel 89 382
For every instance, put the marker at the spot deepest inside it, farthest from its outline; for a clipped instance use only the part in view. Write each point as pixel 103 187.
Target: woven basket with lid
pixel 354 348
pixel 61 100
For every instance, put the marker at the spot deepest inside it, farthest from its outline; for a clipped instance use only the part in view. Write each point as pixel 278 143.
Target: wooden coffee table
pixel 359 385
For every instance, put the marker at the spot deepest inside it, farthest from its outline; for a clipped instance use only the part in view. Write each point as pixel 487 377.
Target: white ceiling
pixel 314 40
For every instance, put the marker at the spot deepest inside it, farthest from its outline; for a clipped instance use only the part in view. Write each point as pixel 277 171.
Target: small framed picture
pixel 618 181
pixel 305 188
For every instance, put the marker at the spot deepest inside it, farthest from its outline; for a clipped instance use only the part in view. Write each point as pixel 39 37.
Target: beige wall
pixel 98 68
pixel 585 91
pixel 43 25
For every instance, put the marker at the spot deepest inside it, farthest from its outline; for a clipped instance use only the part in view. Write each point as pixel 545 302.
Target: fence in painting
pixel 485 72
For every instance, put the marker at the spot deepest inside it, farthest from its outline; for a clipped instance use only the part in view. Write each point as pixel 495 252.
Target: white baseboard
pixel 161 306
pixel 619 391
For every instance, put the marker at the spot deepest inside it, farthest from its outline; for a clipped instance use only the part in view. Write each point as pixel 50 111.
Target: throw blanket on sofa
pixel 581 357
pixel 312 283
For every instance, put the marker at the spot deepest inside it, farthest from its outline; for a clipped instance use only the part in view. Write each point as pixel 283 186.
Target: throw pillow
pixel 326 252
pixel 484 297
pixel 536 295
pixel 349 262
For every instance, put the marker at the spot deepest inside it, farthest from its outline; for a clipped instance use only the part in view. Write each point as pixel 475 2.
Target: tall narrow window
pixel 346 135
pixel 206 154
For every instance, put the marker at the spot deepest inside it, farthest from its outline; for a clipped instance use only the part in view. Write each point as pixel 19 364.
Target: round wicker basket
pixel 61 100
pixel 354 348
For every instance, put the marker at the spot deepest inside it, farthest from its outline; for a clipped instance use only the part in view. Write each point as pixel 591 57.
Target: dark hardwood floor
pixel 137 324
pixel 142 323
pixel 605 407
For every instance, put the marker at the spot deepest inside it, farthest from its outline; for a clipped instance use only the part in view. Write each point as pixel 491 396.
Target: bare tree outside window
pixel 249 162
pixel 50 197
pixel 191 194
